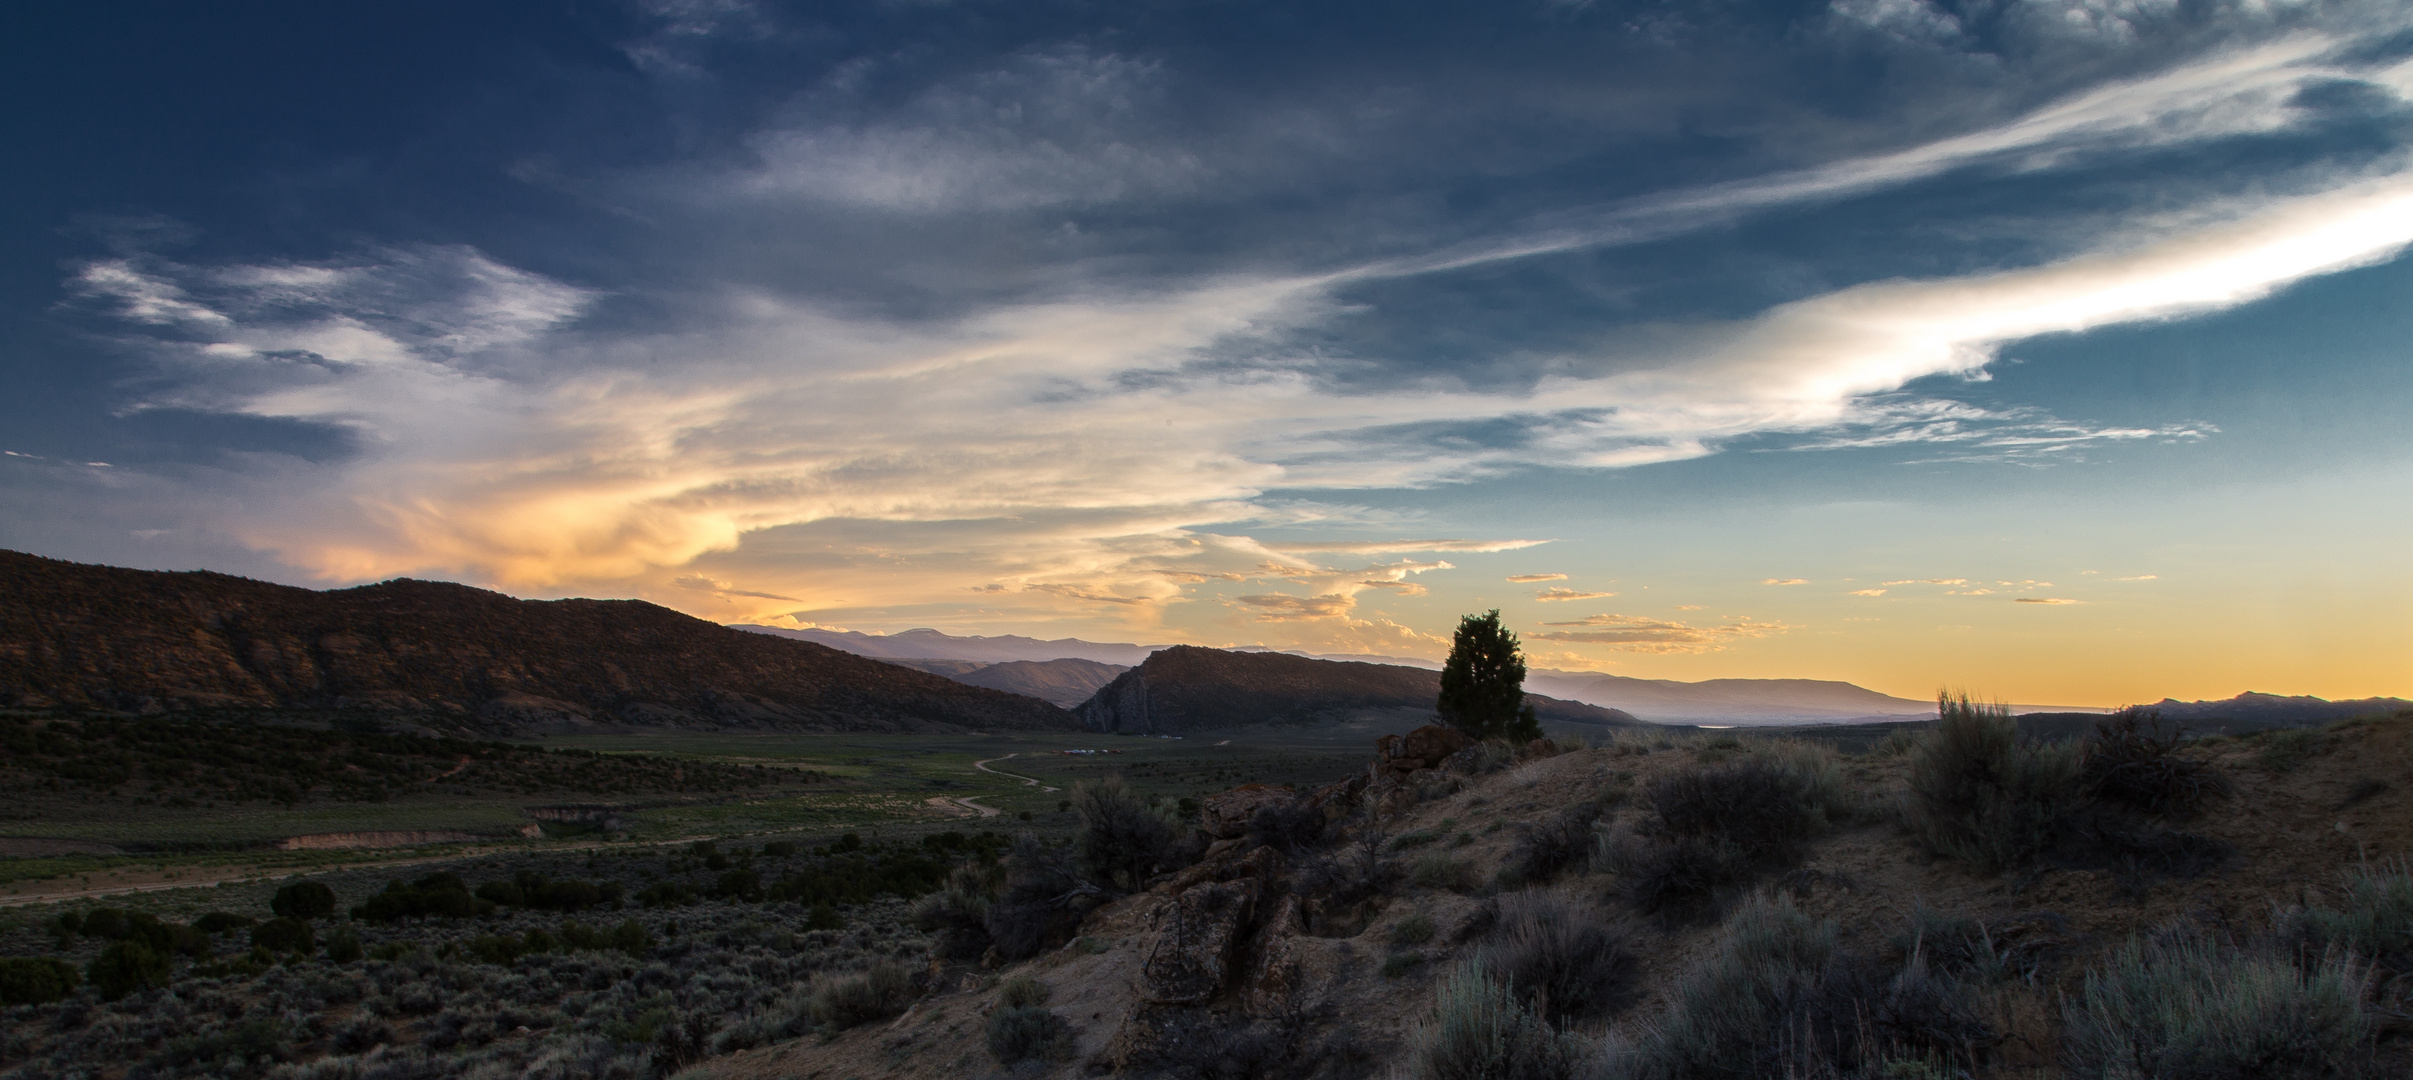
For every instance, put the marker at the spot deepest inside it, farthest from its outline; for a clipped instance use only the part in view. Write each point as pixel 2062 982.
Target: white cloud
pixel 1557 594
pixel 1636 633
pixel 1277 607
pixel 1528 579
pixel 1786 581
pixel 2042 600
pixel 1868 592
pixel 1046 128
pixel 1068 449
pixel 2239 92
pixel 1915 20
pixel 1382 547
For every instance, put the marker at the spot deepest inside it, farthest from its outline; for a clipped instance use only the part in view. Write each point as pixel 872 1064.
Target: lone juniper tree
pixel 1483 685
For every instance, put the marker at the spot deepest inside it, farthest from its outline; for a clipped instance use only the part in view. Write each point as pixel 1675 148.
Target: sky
pixel 2054 350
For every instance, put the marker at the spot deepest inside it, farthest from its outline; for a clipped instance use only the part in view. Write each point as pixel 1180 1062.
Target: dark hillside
pixel 1187 688
pixel 101 637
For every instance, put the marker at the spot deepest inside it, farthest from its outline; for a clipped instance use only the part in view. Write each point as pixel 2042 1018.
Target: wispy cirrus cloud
pixel 1528 579
pixel 1558 594
pixel 1637 633
pixel 1086 442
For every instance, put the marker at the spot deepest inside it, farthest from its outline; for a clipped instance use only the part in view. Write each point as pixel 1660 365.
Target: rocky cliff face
pixel 103 637
pixel 1187 688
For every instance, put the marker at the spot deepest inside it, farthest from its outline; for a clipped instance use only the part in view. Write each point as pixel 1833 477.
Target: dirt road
pixel 1027 781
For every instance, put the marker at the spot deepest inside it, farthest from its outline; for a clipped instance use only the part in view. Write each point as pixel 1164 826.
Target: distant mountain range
pixel 939 645
pixel 1186 688
pixel 467 659
pixel 1066 683
pixel 1748 701
pixel 2273 710
pixel 1761 701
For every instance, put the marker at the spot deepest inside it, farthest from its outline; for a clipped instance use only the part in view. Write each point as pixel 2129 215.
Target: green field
pixel 903 786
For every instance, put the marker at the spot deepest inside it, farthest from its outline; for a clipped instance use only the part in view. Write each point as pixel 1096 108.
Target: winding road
pixel 1027 781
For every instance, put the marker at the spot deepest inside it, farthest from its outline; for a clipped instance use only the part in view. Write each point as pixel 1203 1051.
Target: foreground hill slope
pixel 1188 688
pixel 1334 957
pixel 85 636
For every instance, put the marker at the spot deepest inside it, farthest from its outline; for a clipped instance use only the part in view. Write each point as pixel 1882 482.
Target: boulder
pixel 1434 742
pixel 1226 813
pixel 1339 798
pixel 1192 959
pixel 1274 977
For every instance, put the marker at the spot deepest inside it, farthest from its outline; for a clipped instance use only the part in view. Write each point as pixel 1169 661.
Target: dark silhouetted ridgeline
pixel 84 636
pixel 1188 688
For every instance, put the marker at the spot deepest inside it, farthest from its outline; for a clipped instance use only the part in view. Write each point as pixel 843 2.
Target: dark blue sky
pixel 1801 338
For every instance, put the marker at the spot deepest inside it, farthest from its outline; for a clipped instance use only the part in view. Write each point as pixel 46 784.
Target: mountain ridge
pixel 83 636
pixel 1191 688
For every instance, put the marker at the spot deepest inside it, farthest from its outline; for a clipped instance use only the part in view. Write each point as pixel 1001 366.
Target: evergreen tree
pixel 1483 684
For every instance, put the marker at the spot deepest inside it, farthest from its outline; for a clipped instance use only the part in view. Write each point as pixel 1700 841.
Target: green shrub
pixel 1713 829
pixel 1123 838
pixel 303 900
pixel 343 946
pixel 1020 990
pixel 219 922
pixel 1898 742
pixel 108 924
pixel 2189 1009
pixel 1415 838
pixel 125 967
pixel 1561 953
pixel 113 924
pixel 1416 929
pixel 436 895
pixel 740 884
pixel 1981 794
pixel 876 994
pixel 1481 1030
pixel 1398 964
pixel 2283 750
pixel 1547 848
pixel 36 980
pixel 955 916
pixel 1780 999
pixel 1019 1033
pixel 2131 760
pixel 284 935
pixel 779 849
pixel 630 937
pixel 1953 945
pixel 2374 919
pixel 500 949
pixel 1442 872
pixel 1033 912
pixel 824 916
pixel 1288 825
